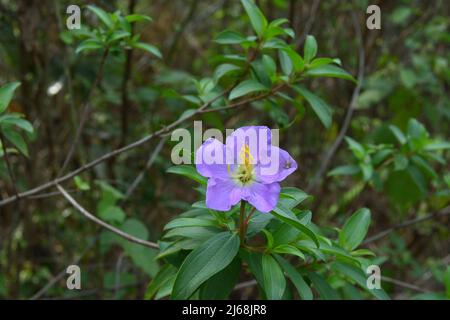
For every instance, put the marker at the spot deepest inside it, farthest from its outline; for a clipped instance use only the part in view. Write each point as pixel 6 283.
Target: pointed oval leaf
pixel 202 263
pixel 246 87
pixel 320 107
pixel 331 71
pixel 257 19
pixel 102 15
pixel 6 94
pixel 273 278
pixel 355 229
pixel 310 48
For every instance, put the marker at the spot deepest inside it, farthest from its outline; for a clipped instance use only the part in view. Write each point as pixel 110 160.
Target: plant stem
pixel 242 223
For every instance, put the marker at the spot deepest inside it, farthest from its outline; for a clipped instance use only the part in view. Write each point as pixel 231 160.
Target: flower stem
pixel 242 228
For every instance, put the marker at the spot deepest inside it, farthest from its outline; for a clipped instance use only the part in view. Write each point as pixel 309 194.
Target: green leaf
pixel 447 282
pixel 258 221
pixel 269 65
pixel 17 141
pixel 166 288
pixel 81 184
pixel 230 37
pixel 310 49
pixel 320 107
pixel 275 43
pixel 89 44
pixel 137 17
pixel 341 254
pixel 220 285
pixel 289 249
pixel 6 94
pixel 257 19
pixel 112 214
pixel 362 252
pixel 102 15
pixel 190 222
pixel 149 48
pixel 269 238
pixel 359 277
pixel 285 215
pixel 355 229
pixel 344 171
pixel 197 233
pixel 16 120
pixel 273 278
pixel 205 261
pixel 423 165
pixel 322 287
pixel 322 61
pixel 400 161
pixel 300 284
pixel 330 71
pixel 292 197
pixel 285 62
pixel 119 35
pixel 224 69
pixel 189 172
pixel 357 149
pixel 297 61
pixel 178 245
pixel 159 280
pixel 143 257
pixel 254 262
pixel 246 87
pixel 398 134
pixel 417 130
pixel 437 145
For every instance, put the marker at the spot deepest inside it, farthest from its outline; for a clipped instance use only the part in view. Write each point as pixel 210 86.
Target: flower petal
pixel 222 194
pixel 210 159
pixel 276 166
pixel 263 197
pixel 258 139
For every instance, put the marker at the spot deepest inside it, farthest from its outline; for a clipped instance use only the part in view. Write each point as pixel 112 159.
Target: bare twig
pixel 126 148
pixel 181 28
pixel 148 165
pixel 348 117
pixel 108 155
pixel 245 284
pixel 118 271
pixel 309 23
pixel 407 223
pixel 245 102
pixel 404 284
pixel 103 224
pixel 86 111
pixel 51 194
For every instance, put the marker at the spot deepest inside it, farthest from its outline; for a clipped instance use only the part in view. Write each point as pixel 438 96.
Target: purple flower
pixel 248 167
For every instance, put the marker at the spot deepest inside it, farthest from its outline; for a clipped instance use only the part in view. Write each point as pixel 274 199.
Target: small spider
pixel 287 164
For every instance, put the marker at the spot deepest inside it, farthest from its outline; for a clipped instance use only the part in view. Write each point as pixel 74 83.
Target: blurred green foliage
pixel 395 160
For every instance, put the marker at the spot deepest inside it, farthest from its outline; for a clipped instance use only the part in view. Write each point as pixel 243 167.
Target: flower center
pixel 244 174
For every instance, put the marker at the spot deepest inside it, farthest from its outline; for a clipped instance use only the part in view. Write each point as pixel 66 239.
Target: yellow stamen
pixel 246 156
pixel 244 173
